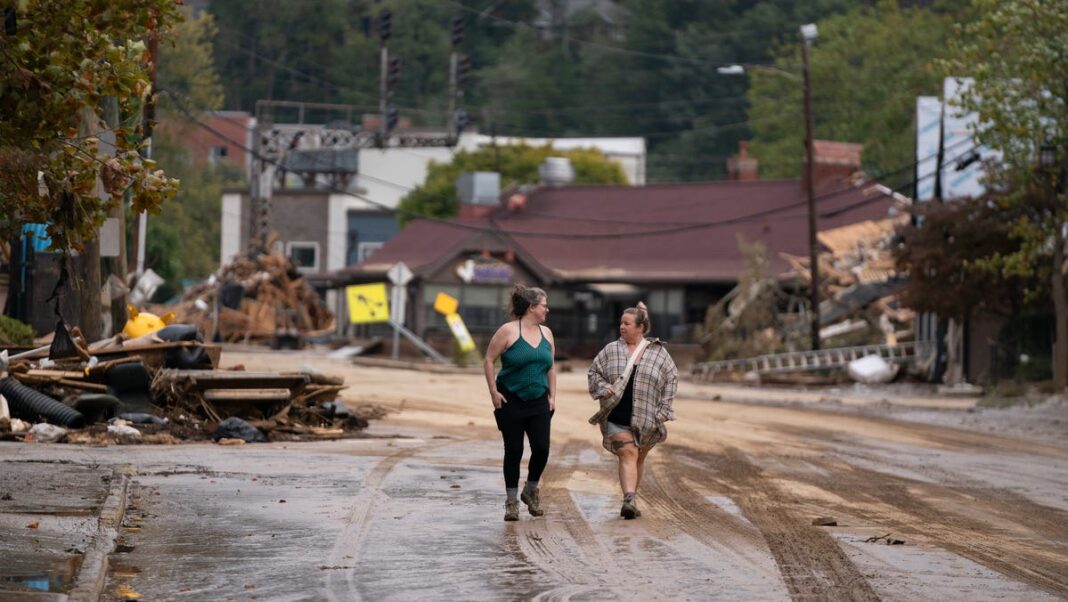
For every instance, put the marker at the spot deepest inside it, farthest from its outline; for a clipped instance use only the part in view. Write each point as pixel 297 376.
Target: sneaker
pixel 532 498
pixel 511 510
pixel 629 511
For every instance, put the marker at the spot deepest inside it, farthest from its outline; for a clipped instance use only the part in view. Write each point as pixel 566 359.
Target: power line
pixel 554 235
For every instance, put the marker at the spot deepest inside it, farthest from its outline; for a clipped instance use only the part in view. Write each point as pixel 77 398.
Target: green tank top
pixel 524 369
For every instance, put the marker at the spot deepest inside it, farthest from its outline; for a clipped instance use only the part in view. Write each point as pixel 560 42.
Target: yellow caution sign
pixel 445 304
pixel 367 303
pixel 459 330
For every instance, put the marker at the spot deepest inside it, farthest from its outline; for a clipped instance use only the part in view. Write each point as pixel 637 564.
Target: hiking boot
pixel 511 510
pixel 629 511
pixel 532 498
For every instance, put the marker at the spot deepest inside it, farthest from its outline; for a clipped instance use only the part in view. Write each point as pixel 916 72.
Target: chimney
pixel 742 167
pixel 835 162
pixel 479 193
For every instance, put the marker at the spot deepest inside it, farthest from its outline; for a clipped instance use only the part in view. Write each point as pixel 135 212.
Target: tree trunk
pixel 85 279
pixel 1060 313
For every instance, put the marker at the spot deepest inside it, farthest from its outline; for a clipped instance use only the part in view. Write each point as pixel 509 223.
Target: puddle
pixel 56 579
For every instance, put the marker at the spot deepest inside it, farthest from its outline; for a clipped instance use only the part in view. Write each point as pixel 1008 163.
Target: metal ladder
pixel 800 361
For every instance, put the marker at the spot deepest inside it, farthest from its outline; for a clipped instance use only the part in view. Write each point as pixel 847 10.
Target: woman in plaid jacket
pixel 633 425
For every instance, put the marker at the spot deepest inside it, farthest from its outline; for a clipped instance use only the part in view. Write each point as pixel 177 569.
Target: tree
pixel 867 69
pixel 62 161
pixel 944 247
pixel 517 165
pixel 1016 54
pixel 65 59
pixel 183 241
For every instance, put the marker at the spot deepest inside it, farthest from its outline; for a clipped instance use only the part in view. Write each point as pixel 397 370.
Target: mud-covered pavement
pixel 414 511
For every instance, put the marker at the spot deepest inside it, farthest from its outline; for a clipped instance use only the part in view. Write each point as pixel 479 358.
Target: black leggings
pixel 519 417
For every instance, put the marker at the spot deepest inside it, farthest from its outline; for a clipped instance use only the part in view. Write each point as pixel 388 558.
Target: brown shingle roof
pixel 656 233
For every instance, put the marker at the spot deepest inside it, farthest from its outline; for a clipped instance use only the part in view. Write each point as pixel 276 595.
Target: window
pixel 305 255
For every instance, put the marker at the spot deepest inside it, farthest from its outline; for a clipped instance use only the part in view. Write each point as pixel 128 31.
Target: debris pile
pixel 163 387
pixel 859 285
pixel 258 297
pixel 765 314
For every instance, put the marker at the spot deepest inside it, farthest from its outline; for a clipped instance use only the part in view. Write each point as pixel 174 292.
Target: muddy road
pixel 728 505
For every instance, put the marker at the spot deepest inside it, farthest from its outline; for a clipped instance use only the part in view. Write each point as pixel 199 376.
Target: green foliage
pixel 187 66
pixel 14 333
pixel 867 68
pixel 1016 54
pixel 67 58
pixel 517 165
pixel 183 241
pixel 648 69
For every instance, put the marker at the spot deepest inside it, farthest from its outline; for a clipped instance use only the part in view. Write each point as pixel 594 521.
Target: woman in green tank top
pixel 523 394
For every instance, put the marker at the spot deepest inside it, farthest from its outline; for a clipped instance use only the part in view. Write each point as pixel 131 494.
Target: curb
pixel 89 583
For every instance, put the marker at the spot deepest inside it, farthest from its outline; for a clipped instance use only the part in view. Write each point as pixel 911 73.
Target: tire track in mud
pixel 896 503
pixel 665 486
pixel 340 584
pixel 811 563
pixel 565 545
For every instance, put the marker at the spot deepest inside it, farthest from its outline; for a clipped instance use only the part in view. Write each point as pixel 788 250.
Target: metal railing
pixel 800 361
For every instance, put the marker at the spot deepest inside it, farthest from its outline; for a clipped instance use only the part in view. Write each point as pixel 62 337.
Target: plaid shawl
pixel 655 380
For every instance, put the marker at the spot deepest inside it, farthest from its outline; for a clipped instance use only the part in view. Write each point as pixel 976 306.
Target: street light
pixel 808 37
pixel 809 34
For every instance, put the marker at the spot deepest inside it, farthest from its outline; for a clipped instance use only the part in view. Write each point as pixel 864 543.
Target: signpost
pixel 367 303
pixel 459 330
pixel 448 306
pixel 400 275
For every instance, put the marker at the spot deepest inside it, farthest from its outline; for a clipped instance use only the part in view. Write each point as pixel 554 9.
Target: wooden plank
pixel 237 379
pixel 253 395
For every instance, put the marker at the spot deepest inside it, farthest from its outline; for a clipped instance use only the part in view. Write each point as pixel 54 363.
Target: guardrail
pixel 800 361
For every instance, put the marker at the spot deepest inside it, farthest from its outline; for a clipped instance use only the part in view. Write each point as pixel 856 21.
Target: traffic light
pixel 385 25
pixel 393 74
pixel 457 31
pixel 392 117
pixel 463 70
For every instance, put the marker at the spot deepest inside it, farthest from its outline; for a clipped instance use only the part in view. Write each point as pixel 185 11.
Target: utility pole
pixel 387 113
pixel 149 119
pixel 459 69
pixel 808 36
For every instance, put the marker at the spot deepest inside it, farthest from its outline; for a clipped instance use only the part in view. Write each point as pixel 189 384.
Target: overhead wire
pixel 675 228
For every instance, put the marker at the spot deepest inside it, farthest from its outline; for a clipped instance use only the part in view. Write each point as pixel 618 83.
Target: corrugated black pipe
pixel 29 404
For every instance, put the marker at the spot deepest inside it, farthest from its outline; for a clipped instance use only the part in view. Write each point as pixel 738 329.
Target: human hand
pixel 497 399
pixel 608 392
pixel 552 403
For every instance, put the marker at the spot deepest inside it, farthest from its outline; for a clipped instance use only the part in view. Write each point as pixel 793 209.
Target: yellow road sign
pixel 456 324
pixel 445 304
pixel 367 303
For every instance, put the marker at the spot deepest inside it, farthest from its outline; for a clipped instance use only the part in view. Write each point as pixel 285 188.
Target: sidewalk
pixel 58 522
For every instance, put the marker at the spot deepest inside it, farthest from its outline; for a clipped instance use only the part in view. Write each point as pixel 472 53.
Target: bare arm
pixel 496 347
pixel 552 371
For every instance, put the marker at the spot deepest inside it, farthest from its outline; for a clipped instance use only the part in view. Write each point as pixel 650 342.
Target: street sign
pixel 444 304
pixel 367 303
pixel 459 330
pixel 399 274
